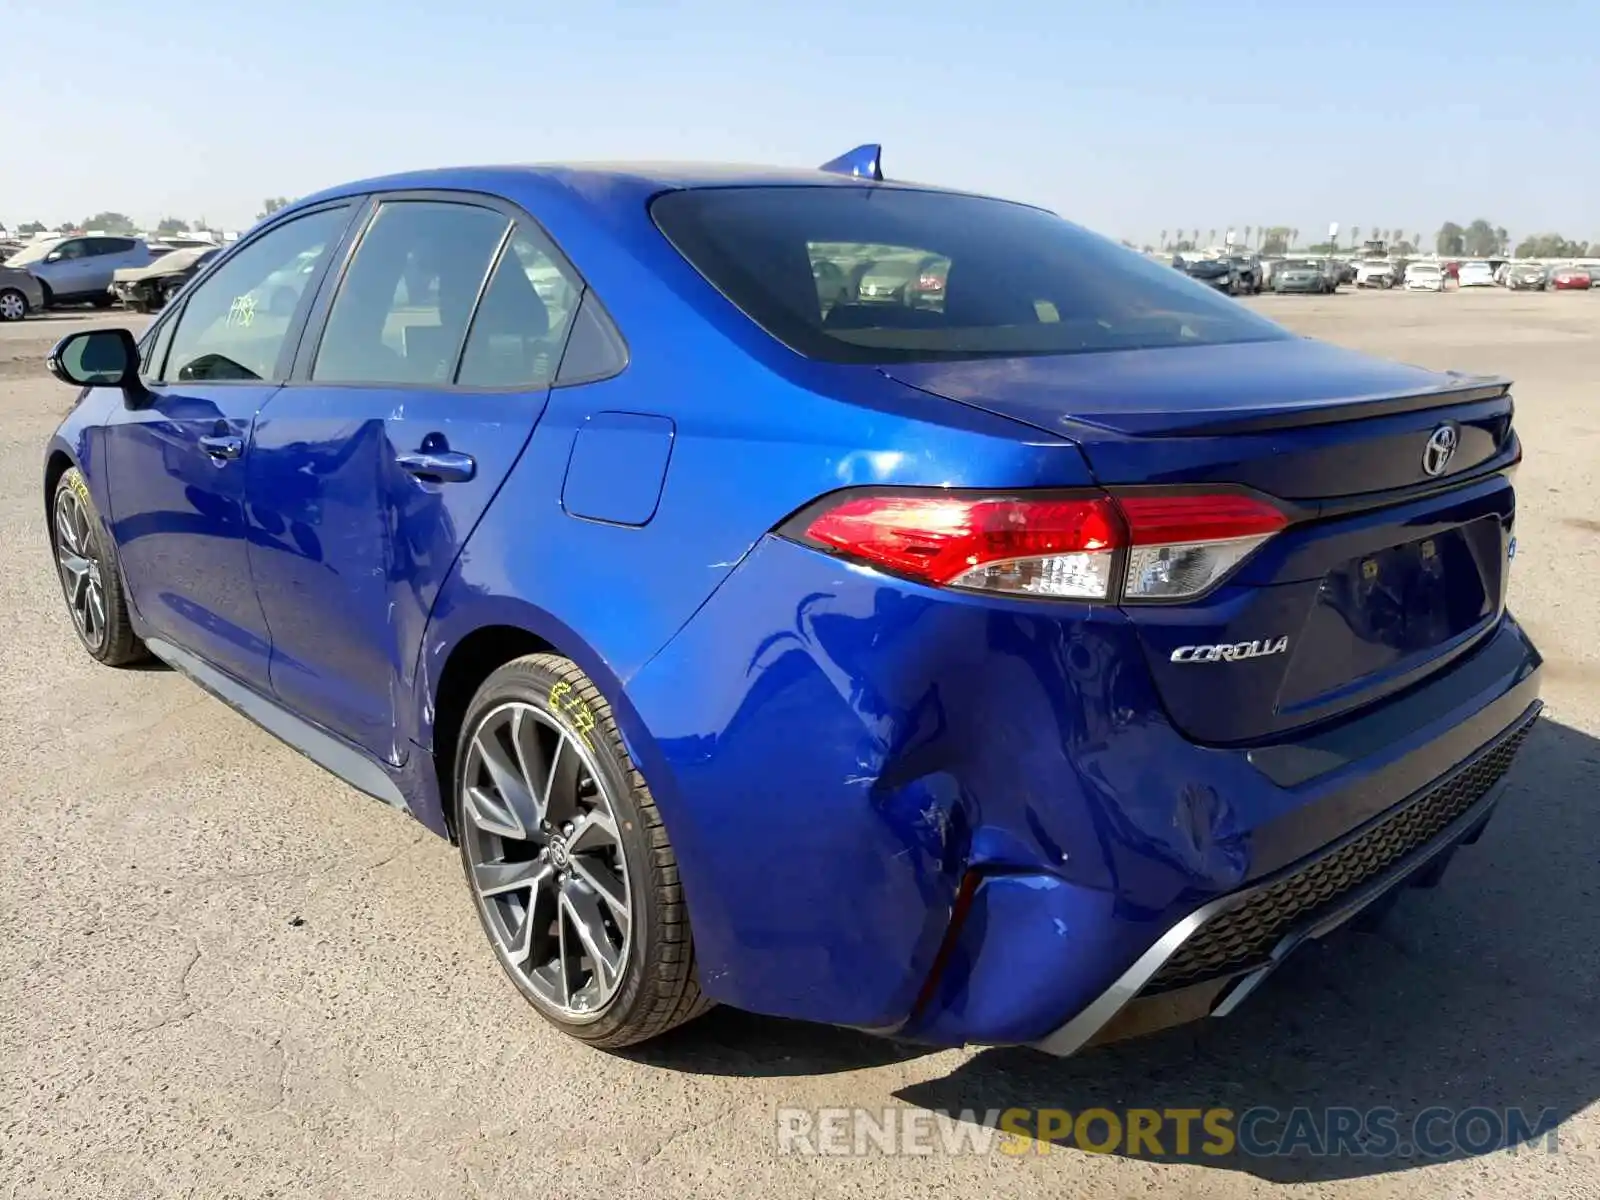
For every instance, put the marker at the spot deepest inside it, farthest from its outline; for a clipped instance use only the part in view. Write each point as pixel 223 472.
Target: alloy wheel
pixel 546 861
pixel 80 567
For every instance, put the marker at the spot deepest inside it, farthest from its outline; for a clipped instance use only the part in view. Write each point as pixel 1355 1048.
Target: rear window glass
pixel 881 275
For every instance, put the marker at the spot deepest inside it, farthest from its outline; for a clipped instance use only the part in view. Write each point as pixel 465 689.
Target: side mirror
pixel 53 256
pixel 97 358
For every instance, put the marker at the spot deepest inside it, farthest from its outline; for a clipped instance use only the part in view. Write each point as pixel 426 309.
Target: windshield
pixel 32 254
pixel 1016 280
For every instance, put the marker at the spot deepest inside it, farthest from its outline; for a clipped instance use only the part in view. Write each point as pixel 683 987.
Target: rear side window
pixel 523 318
pixel 403 307
pixel 882 275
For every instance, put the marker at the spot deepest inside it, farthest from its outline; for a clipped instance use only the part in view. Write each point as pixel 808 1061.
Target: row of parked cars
pixel 1248 274
pixel 99 270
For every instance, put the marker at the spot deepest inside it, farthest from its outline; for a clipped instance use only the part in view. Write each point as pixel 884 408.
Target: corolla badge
pixel 1441 448
pixel 1230 652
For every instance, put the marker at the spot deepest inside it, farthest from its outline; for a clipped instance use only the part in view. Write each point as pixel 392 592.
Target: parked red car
pixel 1565 279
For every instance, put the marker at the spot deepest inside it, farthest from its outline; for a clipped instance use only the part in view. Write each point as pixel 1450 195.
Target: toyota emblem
pixel 1441 448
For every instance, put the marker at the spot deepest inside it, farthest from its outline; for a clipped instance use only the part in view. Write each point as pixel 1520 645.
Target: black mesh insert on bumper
pixel 1242 938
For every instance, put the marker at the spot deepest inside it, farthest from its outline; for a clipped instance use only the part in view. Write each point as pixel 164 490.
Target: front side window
pixel 881 275
pixel 238 316
pixel 522 321
pixel 407 296
pixel 77 248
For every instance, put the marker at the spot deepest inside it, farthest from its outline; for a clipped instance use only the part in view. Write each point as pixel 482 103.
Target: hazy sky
pixel 1130 117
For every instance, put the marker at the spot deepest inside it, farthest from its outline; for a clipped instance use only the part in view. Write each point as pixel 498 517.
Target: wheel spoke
pixel 490 815
pixel 516 797
pixel 536 915
pixel 583 911
pixel 561 786
pixel 563 958
pixel 525 745
pixel 97 607
pixel 494 879
pixel 607 885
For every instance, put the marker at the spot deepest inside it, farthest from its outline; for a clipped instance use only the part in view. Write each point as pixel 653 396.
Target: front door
pixel 177 465
pixel 371 469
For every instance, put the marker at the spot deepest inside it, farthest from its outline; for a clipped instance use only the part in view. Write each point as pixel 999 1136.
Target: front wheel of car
pixel 570 867
pixel 86 562
pixel 13 305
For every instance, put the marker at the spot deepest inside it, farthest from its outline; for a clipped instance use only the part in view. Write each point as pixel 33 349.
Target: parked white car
pixel 1377 273
pixel 1476 274
pixel 1424 277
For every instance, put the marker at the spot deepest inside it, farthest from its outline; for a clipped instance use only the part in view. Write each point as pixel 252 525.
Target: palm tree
pixel 1196 237
pixel 1213 238
pixel 1163 239
pixel 1355 235
pixel 1247 236
pixel 1294 238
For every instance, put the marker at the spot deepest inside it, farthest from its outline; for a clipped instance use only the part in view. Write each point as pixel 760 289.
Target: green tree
pixel 172 225
pixel 271 205
pixel 1480 239
pixel 1163 239
pixel 1275 240
pixel 29 228
pixel 111 222
pixel 1450 239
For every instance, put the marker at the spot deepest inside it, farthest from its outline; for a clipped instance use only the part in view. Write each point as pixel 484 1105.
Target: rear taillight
pixel 1132 546
pixel 1182 545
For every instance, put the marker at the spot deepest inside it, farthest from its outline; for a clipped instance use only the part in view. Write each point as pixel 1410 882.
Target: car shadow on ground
pixel 1478 994
pixel 728 1042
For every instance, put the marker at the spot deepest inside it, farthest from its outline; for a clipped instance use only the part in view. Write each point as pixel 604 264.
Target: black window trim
pixel 316 325
pixel 294 334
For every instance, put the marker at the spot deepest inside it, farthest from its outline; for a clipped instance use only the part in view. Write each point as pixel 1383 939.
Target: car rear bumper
pixel 1040 961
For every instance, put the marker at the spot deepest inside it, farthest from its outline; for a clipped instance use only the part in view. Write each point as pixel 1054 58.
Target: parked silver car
pixel 20 294
pixel 74 269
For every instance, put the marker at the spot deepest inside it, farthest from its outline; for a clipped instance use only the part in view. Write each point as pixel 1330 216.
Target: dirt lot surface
pixel 224 974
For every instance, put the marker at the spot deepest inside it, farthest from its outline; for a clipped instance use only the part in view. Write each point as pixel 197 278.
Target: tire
pixel 13 305
pixel 102 301
pixel 86 564
pixel 535 868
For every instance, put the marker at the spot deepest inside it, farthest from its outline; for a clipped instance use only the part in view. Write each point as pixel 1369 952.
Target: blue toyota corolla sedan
pixel 838 598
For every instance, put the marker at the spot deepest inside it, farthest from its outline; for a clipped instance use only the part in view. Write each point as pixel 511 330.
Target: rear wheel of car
pixel 569 865
pixel 86 562
pixel 105 301
pixel 13 305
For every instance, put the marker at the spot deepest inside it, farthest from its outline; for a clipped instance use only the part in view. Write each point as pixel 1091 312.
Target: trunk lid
pixel 1388 571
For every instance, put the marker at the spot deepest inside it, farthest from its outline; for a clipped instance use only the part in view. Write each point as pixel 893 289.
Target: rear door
pixel 427 366
pixel 1394 483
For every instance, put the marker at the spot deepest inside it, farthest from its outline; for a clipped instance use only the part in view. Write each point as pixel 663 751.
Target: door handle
pixel 438 466
pixel 222 446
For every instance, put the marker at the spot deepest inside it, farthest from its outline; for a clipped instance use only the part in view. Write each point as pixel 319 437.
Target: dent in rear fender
pixel 834 748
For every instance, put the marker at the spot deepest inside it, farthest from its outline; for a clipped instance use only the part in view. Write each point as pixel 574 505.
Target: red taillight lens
pixel 1176 545
pixel 1046 547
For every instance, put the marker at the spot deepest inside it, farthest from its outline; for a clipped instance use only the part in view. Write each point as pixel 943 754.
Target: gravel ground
pixel 222 973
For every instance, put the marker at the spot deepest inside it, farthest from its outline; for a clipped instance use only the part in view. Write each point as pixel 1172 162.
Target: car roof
pixel 604 183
